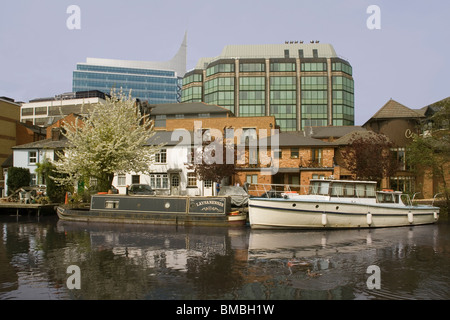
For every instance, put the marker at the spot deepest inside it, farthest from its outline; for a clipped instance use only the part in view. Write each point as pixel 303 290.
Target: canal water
pixel 47 259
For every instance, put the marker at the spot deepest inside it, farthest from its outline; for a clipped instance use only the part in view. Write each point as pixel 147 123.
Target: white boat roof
pixel 344 181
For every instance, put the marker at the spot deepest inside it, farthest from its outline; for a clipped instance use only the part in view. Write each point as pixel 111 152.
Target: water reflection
pixel 168 262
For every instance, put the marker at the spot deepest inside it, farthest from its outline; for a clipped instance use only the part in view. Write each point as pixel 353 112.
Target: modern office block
pixel 155 82
pixel 302 85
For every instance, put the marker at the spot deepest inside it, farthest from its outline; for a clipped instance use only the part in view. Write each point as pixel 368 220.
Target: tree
pixel 111 139
pixel 17 178
pixel 368 156
pixel 210 163
pixel 429 153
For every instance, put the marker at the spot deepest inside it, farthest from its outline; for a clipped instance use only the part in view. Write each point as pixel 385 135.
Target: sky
pixel 406 58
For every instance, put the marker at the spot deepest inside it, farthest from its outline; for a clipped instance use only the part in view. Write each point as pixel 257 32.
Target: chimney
pixel 56 134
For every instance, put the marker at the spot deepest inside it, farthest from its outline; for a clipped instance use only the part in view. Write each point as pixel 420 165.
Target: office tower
pixel 301 84
pixel 155 82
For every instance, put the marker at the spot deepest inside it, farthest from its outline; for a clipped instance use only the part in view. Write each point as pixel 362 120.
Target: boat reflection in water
pixel 335 264
pixel 169 262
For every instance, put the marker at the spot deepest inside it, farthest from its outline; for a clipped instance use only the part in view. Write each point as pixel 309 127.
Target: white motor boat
pixel 337 204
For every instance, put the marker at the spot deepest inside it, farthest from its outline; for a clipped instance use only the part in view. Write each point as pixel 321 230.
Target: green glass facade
pixel 298 91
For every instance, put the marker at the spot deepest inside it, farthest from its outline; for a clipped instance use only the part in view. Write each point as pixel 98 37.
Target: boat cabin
pixel 343 188
pixel 354 189
pixel 389 196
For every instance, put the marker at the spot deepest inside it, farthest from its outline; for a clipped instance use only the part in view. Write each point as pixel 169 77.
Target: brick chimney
pixel 56 134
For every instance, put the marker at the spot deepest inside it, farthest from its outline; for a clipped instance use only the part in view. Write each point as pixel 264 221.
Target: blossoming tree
pixel 111 139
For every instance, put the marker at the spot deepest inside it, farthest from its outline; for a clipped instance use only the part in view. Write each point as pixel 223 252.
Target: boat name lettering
pixel 208 202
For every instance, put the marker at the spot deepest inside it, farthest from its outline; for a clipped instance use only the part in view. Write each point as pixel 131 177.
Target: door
pixel 207 188
pixel 175 184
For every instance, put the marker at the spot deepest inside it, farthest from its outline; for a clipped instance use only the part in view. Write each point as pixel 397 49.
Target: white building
pixel 169 174
pixel 46 111
pixel 29 155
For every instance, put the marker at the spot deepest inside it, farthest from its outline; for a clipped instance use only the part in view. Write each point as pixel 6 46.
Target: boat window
pixel 349 189
pixel 360 189
pixel 385 198
pixel 380 197
pixel 314 187
pixel 112 204
pixel 370 190
pixel 324 188
pixel 337 189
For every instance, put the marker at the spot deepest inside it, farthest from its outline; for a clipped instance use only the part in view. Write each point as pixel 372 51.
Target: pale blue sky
pixel 407 59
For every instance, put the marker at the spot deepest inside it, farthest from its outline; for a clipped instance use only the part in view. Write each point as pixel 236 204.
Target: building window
pixel 33 181
pixel 192 179
pixel 314 66
pixel 294 153
pixel 121 180
pixel 315 53
pixel 277 154
pixel 159 181
pixel 225 67
pixel 280 66
pixel 316 157
pixel 248 135
pixel 253 156
pixel 399 155
pixel 161 156
pixel 160 120
pixel 251 178
pixel 252 67
pixel 135 179
pixel 32 157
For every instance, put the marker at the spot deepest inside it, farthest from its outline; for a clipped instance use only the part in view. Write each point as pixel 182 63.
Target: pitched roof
pixel 44 144
pixel 297 139
pixel 394 110
pixel 333 131
pixel 169 138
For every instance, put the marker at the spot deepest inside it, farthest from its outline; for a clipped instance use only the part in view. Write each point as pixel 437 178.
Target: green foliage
pixel 55 193
pixel 430 151
pixel 17 178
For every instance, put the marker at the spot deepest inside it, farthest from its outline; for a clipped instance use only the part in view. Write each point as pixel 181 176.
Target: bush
pixel 17 178
pixel 56 193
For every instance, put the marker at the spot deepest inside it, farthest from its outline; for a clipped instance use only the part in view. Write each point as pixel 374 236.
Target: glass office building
pixel 155 82
pixel 302 85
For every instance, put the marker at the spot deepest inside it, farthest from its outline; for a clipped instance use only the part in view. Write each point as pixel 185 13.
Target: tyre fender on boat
pixel 369 218
pixel 324 219
pixel 410 217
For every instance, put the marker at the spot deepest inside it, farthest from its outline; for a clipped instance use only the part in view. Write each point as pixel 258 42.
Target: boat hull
pixel 185 211
pixel 305 214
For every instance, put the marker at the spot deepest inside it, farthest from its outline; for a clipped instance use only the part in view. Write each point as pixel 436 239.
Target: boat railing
pixel 339 190
pixel 273 190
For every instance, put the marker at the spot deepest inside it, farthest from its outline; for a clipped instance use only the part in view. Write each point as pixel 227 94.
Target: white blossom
pixel 111 139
